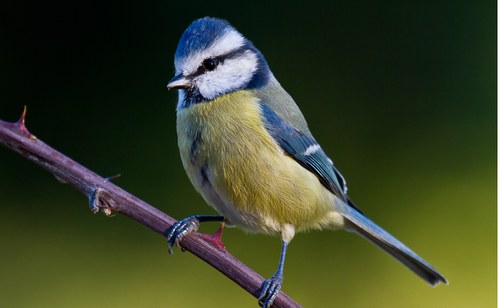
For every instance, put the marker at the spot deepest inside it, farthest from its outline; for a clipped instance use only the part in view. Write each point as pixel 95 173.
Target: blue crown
pixel 201 34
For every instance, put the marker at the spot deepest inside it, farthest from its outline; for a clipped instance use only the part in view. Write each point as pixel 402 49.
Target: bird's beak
pixel 179 82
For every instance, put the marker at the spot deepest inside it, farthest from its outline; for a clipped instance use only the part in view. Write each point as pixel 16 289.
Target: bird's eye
pixel 210 64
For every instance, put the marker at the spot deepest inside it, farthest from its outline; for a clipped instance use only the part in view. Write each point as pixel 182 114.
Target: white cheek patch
pixel 230 41
pixel 230 75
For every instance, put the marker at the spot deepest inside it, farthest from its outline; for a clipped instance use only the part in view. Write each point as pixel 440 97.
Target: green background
pixel 401 94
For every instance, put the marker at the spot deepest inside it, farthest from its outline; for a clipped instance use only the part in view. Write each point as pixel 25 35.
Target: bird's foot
pixel 270 289
pixel 179 230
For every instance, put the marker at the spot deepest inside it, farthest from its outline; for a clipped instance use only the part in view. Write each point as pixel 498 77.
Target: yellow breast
pixel 242 172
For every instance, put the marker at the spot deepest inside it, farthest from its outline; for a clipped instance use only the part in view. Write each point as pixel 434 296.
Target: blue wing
pixel 306 151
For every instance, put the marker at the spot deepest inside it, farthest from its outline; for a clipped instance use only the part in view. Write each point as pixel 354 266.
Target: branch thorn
pixel 21 125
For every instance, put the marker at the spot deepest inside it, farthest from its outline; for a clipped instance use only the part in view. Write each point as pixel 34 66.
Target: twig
pixel 16 137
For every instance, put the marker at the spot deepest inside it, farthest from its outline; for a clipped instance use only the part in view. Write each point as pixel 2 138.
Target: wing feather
pixel 304 149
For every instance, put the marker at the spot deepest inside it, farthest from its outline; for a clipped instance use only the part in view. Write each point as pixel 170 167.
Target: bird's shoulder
pixel 277 99
pixel 291 133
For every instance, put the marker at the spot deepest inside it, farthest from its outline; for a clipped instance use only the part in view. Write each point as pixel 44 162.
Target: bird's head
pixel 213 59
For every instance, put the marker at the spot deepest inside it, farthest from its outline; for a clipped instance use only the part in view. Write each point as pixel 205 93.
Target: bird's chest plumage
pixel 241 171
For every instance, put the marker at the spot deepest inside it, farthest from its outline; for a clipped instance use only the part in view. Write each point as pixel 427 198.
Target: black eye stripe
pixel 220 60
pixel 210 64
pixel 233 53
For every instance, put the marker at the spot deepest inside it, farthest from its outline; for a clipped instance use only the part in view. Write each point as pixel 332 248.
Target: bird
pixel 247 149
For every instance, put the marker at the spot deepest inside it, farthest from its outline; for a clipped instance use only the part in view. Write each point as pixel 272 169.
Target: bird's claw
pixel 180 230
pixel 270 289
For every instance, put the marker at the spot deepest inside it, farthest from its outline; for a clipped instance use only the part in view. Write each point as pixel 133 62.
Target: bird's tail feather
pixel 360 224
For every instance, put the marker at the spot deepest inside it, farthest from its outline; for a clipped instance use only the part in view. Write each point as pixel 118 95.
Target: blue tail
pixel 360 224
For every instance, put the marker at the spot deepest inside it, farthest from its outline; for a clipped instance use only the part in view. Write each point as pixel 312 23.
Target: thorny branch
pixel 16 137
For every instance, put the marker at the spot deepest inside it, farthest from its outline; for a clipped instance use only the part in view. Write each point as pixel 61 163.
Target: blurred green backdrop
pixel 402 95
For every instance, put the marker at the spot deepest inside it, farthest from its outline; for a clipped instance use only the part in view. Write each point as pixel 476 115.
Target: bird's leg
pixel 271 287
pixel 187 225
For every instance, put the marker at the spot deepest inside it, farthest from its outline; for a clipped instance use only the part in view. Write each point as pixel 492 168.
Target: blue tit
pixel 248 151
